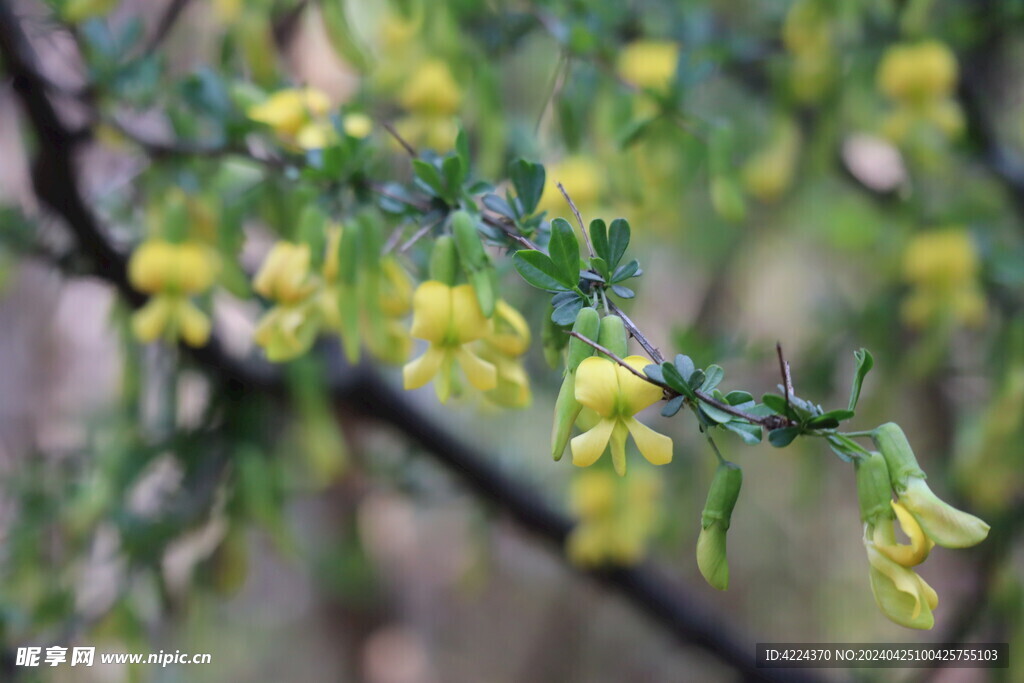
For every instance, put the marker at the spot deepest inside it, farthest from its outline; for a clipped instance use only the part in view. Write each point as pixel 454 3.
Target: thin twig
pixel 787 378
pixel 611 354
pixel 579 218
pixel 410 150
pixel 633 330
pixel 419 234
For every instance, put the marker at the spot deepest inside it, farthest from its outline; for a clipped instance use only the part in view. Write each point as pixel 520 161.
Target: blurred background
pixel 826 175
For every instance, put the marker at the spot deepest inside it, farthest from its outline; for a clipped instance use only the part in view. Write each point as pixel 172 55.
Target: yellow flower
pixel 434 131
pixel 943 266
pixel 616 395
pixel 298 116
pixel 432 90
pixel 395 289
pixel 449 318
pixel 581 178
pixel 649 64
pixel 508 338
pixel 289 328
pixel 284 276
pixel 901 594
pixel 357 125
pixel 171 273
pixel 616 517
pixel 918 72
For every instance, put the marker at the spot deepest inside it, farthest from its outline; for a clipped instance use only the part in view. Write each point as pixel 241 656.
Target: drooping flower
pixel 943 523
pixel 942 267
pixel 616 395
pixel 289 328
pixel 649 64
pixel 901 594
pixel 616 517
pixel 508 338
pixel 714 524
pixel 449 318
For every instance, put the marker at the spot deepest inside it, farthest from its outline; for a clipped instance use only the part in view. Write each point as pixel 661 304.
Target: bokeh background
pixel 826 175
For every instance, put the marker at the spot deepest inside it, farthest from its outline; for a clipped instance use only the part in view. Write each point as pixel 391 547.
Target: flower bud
pixel 567 409
pixel 467 240
pixel 943 523
pixel 715 520
pixel 444 261
pixel 613 335
pixel 874 490
pixel 588 324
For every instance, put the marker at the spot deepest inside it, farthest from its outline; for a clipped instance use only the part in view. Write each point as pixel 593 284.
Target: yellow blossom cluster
pixel 172 273
pixel 307 302
pixel 649 64
pixel 617 517
pixel 919 78
pixel 431 98
pixel 300 118
pixel 487 351
pixel 942 269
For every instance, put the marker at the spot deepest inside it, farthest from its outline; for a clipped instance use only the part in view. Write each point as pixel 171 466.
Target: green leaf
pixel 654 372
pixel 713 375
pixel 462 147
pixel 599 238
pixel 735 398
pixel 538 270
pixel 719 416
pixel 776 403
pixel 865 362
pixel 829 420
pixel 618 241
pixel 672 406
pixel 454 174
pixel 623 292
pixel 528 179
pixel 675 381
pixel 626 271
pixel 697 379
pixel 751 434
pixel 565 250
pixel 430 176
pixel 566 313
pixel 782 437
pixel 601 266
pixel 685 366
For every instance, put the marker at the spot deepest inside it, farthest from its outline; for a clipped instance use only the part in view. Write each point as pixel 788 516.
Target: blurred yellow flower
pixel 431 90
pixel 617 517
pixel 582 178
pixel 915 72
pixel 649 64
pixel 171 273
pixel 942 267
pixel 284 276
pixel 616 395
pixel 508 338
pixel 449 318
pixel 298 116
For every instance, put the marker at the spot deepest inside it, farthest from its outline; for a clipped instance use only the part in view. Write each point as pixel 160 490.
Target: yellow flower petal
pixel 901 594
pixel 467 322
pixel 657 448
pixel 419 372
pixel 906 555
pixel 597 386
pixel 636 393
pixel 480 373
pixel 588 446
pixel 445 380
pixel 618 443
pixel 150 321
pixel 316 135
pixel 432 311
pixel 193 324
pixel 509 332
pixel 943 523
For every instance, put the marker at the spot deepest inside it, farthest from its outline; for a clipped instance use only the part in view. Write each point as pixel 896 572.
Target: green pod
pixel 588 324
pixel 874 489
pixel 567 409
pixel 444 261
pixel 722 495
pixel 467 241
pixel 613 335
pixel 891 440
pixel 484 283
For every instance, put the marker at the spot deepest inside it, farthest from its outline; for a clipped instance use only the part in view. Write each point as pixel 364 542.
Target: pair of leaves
pixel 557 272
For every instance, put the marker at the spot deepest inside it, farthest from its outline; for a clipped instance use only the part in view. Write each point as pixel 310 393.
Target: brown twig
pixel 787 378
pixel 579 218
pixel 410 150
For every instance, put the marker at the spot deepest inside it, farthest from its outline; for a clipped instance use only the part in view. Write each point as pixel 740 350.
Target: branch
pixel 361 390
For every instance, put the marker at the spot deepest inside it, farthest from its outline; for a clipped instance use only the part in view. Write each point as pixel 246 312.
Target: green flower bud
pixel 567 409
pixel 613 335
pixel 444 261
pixel 874 490
pixel 715 520
pixel 588 324
pixel 941 522
pixel 467 240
